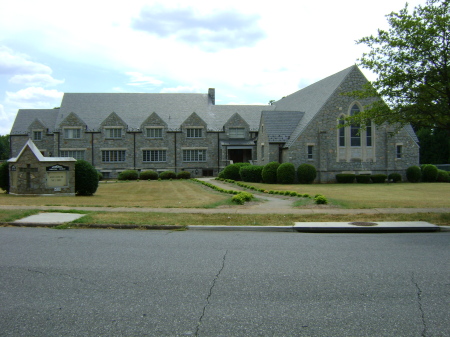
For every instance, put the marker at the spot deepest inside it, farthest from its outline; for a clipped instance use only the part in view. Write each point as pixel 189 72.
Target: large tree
pixel 4 147
pixel 412 63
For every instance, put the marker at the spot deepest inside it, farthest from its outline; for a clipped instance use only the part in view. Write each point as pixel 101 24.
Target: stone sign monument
pixel 31 173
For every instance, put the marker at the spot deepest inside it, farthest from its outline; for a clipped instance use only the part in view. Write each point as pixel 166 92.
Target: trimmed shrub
pixel 413 174
pixel 128 175
pixel 166 175
pixel 232 171
pixel 86 178
pixel 251 173
pixel 395 177
pixel 345 178
pixel 286 173
pixel 363 178
pixel 429 173
pixel 242 197
pixel 269 172
pixel 148 175
pixel 100 176
pixel 319 199
pixel 306 174
pixel 443 176
pixel 4 177
pixel 378 178
pixel 184 175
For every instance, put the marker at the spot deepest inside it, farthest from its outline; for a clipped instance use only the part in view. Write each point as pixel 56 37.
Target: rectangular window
pixel 310 151
pixel 399 152
pixel 37 135
pixel 236 132
pixel 154 155
pixel 112 156
pixel 154 132
pixel 194 155
pixel 355 136
pixel 77 154
pixel 114 133
pixel 72 133
pixel 194 133
pixel 369 135
pixel 341 132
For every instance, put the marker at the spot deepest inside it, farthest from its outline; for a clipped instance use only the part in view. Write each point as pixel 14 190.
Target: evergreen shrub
pixel 4 177
pixel 345 178
pixel 269 172
pixel 86 178
pixel 363 178
pixel 251 173
pixel 319 199
pixel 429 173
pixel 184 175
pixel 443 176
pixel 128 175
pixel 148 175
pixel 286 173
pixel 100 176
pixel 413 174
pixel 232 171
pixel 166 175
pixel 395 177
pixel 378 178
pixel 306 174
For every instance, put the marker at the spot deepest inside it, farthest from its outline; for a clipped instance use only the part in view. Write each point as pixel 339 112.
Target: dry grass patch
pixel 400 195
pixel 155 194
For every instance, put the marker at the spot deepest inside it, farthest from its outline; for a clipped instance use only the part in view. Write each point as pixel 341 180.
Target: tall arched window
pixel 355 130
pixel 341 131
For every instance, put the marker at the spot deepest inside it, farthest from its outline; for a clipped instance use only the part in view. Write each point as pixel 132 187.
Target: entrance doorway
pixel 240 155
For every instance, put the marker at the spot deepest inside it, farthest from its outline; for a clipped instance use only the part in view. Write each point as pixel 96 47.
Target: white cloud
pixel 138 79
pixel 44 80
pixel 181 89
pixel 12 63
pixel 34 98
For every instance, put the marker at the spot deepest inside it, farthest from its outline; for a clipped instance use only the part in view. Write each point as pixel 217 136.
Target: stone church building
pixel 150 131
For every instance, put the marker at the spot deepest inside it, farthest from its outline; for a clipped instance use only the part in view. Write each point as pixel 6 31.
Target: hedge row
pixel 427 173
pixel 152 175
pixel 270 173
pixel 349 178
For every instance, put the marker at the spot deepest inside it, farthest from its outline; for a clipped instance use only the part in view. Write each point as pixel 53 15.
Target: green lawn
pixel 399 195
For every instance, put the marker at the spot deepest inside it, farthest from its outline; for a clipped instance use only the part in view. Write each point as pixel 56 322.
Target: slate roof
pixel 311 99
pixel 279 125
pixel 133 109
pixel 27 116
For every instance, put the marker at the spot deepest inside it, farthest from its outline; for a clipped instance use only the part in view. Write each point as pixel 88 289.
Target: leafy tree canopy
pixel 412 64
pixel 4 147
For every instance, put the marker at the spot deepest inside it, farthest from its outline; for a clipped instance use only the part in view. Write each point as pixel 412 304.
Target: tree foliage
pixel 86 178
pixel 4 147
pixel 412 64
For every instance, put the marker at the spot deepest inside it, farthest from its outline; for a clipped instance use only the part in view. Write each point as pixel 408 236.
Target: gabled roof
pixel 26 116
pixel 38 154
pixel 279 125
pixel 311 99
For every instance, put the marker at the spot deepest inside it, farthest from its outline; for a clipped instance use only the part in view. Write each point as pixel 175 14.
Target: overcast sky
pixel 250 51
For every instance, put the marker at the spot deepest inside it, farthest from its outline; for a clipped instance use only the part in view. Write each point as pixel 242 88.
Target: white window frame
pixel 236 132
pixel 154 132
pixel 194 155
pixel 154 155
pixel 118 156
pixel 38 135
pixel 77 154
pixel 310 151
pixel 194 132
pixel 72 133
pixel 114 132
pixel 399 151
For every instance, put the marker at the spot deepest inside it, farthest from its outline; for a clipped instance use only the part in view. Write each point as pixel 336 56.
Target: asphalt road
pixel 194 283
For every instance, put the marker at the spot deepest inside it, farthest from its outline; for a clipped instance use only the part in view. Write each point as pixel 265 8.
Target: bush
pixel 378 178
pixel 232 171
pixel 443 176
pixel 395 177
pixel 100 176
pixel 4 177
pixel 251 173
pixel 166 175
pixel 286 173
pixel 242 197
pixel 86 178
pixel 184 175
pixel 429 173
pixel 148 175
pixel 269 172
pixel 320 200
pixel 306 174
pixel 345 178
pixel 413 174
pixel 128 175
pixel 363 178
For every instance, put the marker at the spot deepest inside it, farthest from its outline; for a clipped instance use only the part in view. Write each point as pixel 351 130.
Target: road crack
pixel 419 301
pixel 199 323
